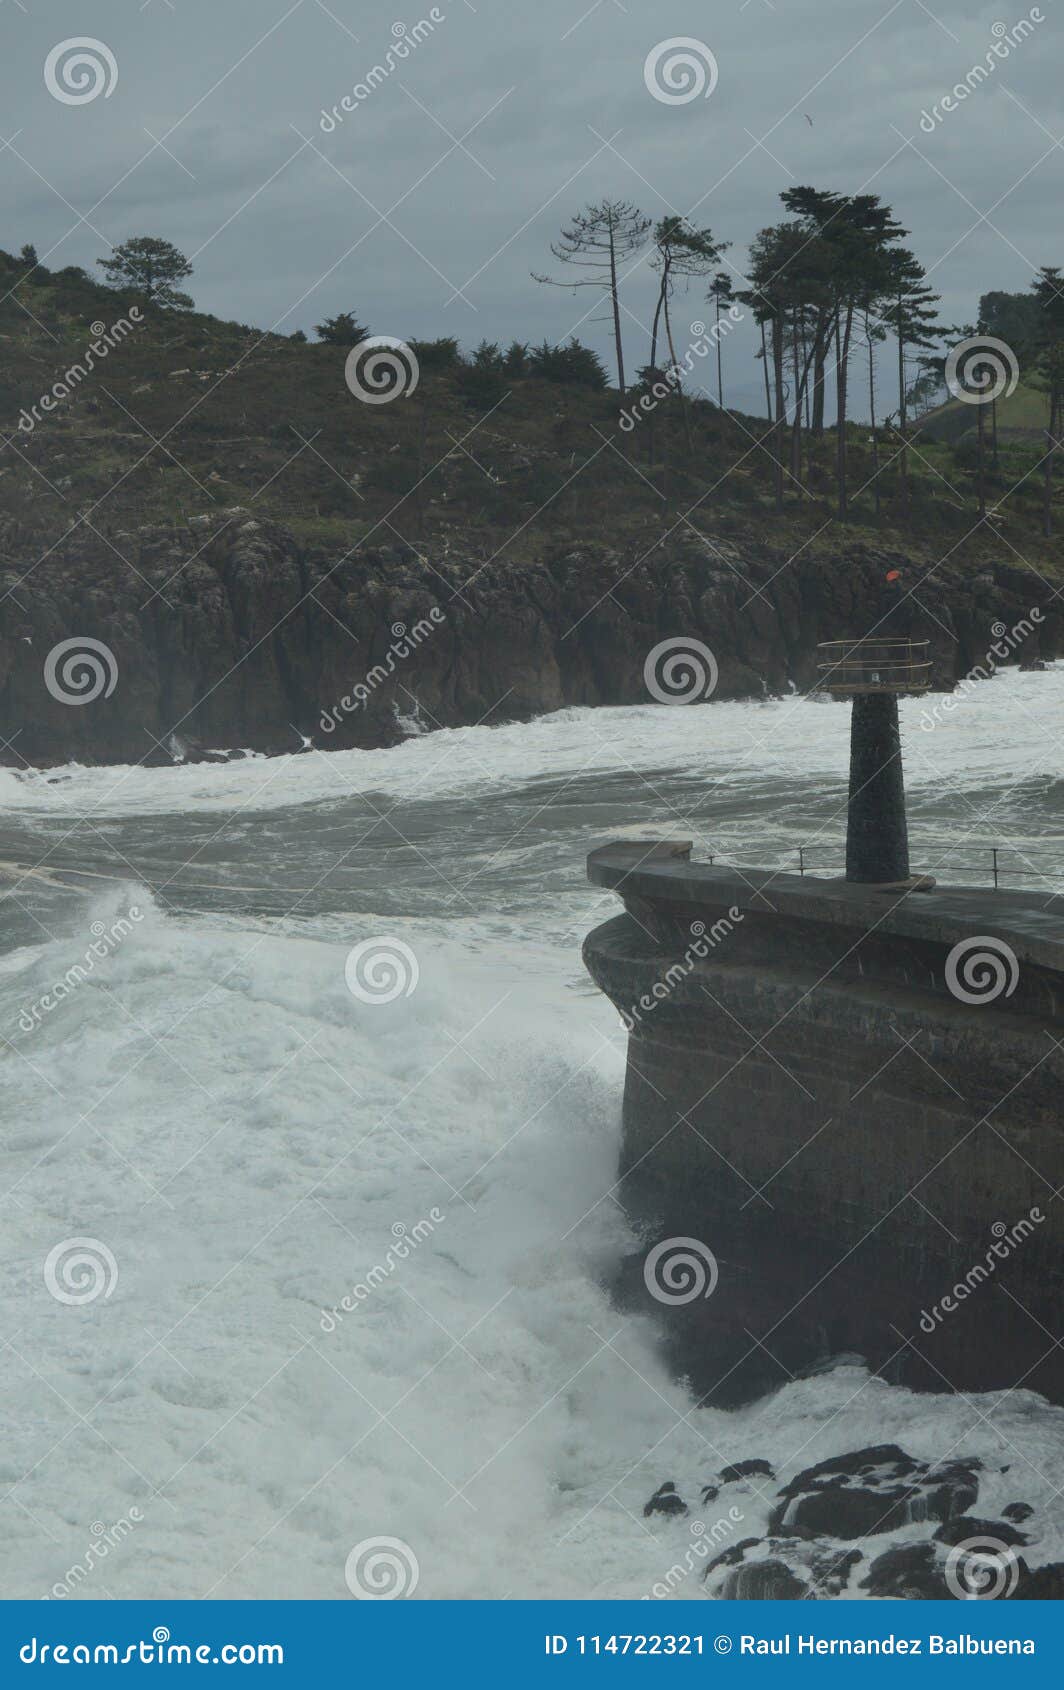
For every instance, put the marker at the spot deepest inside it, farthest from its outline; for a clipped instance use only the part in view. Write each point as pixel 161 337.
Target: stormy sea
pixel 310 1161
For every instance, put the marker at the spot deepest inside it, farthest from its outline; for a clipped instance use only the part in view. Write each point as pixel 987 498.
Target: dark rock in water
pixel 831 1569
pixel 1017 1511
pixel 872 1490
pixel 710 1493
pixel 1043 1584
pixel 950 1552
pixel 745 1470
pixel 731 1557
pixel 764 1581
pixel 965 1526
pixel 932 1572
pixel 915 1572
pixel 665 1501
pixel 1031 663
pixel 785 1569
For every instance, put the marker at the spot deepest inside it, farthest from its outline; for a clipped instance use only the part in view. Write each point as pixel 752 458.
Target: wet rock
pixel 966 1526
pixel 1018 1511
pixel 914 1572
pixel 665 1501
pixel 1042 1584
pixel 237 632
pixel 745 1470
pixel 831 1569
pixel 781 1569
pixel 710 1493
pixel 764 1581
pixel 731 1557
pixel 872 1490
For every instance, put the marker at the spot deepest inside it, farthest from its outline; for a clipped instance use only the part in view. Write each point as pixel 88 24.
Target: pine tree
pixel 598 240
pixel 151 267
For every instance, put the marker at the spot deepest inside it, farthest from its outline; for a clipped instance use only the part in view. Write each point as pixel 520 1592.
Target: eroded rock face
pixel 228 634
pixel 746 1470
pixel 877 1522
pixel 665 1501
pixel 783 1569
pixel 873 1490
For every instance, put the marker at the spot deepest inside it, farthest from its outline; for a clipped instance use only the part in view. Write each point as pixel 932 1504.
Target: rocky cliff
pixel 234 635
pixel 256 556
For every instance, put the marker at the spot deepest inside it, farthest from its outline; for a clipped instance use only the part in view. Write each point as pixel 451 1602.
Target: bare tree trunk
pixel 842 351
pixel 903 458
pixel 616 312
pixel 777 432
pixel 980 430
pixel 720 364
pixel 679 386
pixel 1051 447
pixel 822 338
pixel 657 320
pixel 872 408
pixel 654 358
pixel 764 367
pixel 796 427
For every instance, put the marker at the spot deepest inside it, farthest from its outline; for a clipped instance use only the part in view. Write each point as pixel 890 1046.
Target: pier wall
pixel 853 1101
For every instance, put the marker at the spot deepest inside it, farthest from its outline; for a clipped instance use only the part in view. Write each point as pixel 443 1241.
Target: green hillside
pixel 1023 416
pixel 191 417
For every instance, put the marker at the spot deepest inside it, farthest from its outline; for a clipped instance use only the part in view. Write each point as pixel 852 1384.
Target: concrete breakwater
pixel 842 1122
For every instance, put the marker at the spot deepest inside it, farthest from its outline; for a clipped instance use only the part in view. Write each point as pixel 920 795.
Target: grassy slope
pixel 280 434
pixel 1023 416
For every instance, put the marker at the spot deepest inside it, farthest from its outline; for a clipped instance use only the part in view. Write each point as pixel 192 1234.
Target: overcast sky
pixel 283 221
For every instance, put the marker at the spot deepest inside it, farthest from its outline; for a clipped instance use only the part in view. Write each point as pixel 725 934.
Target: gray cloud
pixel 281 237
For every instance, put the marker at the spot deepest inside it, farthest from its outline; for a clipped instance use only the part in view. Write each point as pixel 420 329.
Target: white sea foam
pixel 982 739
pixel 247 1138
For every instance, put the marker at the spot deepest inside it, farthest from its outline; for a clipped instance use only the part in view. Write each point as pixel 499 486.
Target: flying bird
pixel 808 119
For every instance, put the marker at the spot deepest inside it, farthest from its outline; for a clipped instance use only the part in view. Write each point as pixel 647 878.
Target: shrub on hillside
pixel 482 378
pixel 341 330
pixel 436 354
pixel 571 363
